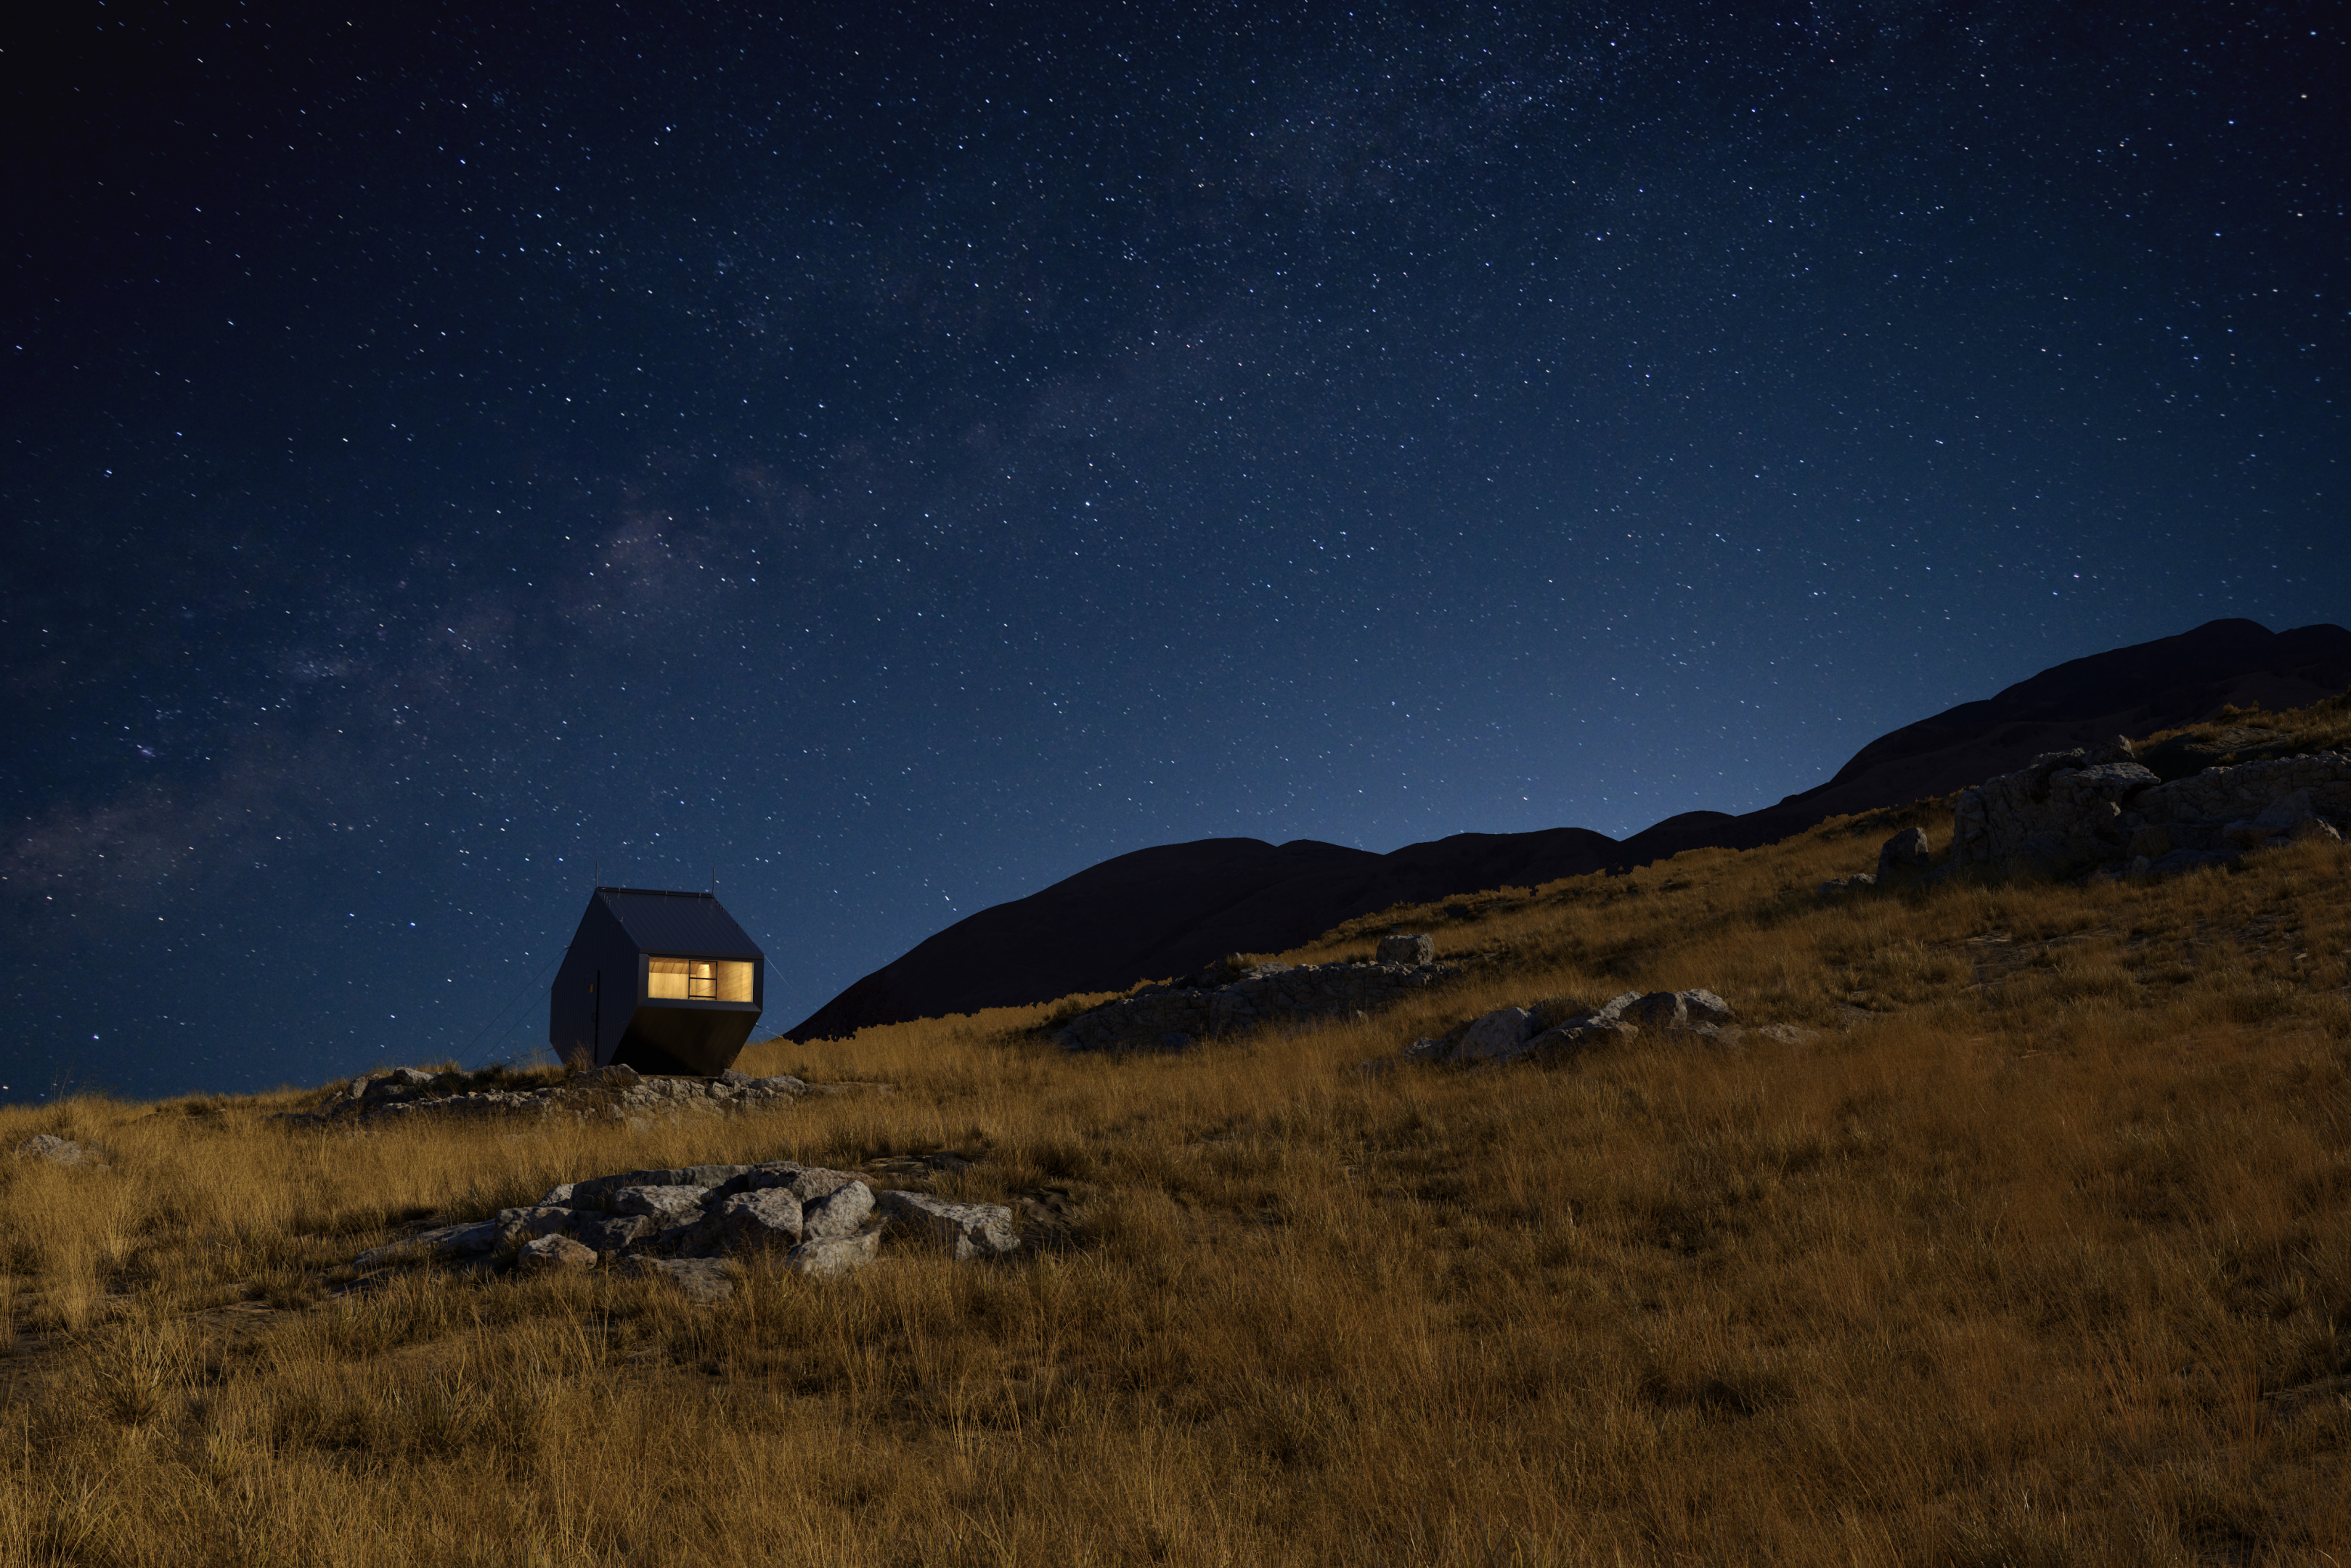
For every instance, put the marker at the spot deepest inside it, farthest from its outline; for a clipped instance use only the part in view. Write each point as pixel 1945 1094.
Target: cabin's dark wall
pixel 597 1008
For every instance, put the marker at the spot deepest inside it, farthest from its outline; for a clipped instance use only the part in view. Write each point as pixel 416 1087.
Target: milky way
pixel 893 463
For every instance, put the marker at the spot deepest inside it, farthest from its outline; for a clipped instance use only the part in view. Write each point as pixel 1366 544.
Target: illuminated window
pixel 698 979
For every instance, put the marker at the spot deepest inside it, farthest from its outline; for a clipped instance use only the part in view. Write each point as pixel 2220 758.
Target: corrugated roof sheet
pixel 684 924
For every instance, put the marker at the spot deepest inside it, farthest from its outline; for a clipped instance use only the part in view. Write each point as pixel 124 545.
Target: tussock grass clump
pixel 2040 1253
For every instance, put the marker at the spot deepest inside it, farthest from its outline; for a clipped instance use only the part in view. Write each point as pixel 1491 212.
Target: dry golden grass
pixel 2041 1254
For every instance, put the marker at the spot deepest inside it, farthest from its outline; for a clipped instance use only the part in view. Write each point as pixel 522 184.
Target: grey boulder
pixel 767 1220
pixel 1413 949
pixel 832 1256
pixel 553 1255
pixel 963 1229
pixel 836 1214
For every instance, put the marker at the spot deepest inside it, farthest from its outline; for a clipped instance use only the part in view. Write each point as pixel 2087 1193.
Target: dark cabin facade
pixel 662 982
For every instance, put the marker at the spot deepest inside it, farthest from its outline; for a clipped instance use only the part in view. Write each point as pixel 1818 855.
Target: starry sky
pixel 888 458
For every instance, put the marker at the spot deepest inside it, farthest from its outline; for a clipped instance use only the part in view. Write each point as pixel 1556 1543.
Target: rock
pixel 1572 1038
pixel 617 1233
pixel 447 1241
pixel 597 1192
pixel 518 1225
pixel 767 1220
pixel 561 1193
pixel 2069 809
pixel 659 1203
pixel 1904 855
pixel 1660 1010
pixel 1786 1034
pixel 617 1076
pixel 1703 1006
pixel 832 1256
pixel 965 1229
pixel 836 1214
pixel 56 1150
pixel 1415 950
pixel 706 1281
pixel 1498 1036
pixel 1858 880
pixel 554 1254
pixel 780 1084
pixel 734 1077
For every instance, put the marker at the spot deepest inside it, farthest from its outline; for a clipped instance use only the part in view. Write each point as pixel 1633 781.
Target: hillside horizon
pixel 1166 910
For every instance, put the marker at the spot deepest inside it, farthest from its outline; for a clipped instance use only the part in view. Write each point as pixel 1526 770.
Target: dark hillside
pixel 1169 909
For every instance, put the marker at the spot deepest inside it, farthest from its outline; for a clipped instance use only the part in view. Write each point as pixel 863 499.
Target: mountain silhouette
pixel 1170 909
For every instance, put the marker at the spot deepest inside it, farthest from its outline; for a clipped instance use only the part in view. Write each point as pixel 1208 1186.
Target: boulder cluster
pixel 2099 806
pixel 1550 1031
pixel 2099 810
pixel 687 1222
pixel 614 1093
pixel 1231 996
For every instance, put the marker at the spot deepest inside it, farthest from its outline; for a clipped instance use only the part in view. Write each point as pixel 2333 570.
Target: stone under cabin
pixel 661 981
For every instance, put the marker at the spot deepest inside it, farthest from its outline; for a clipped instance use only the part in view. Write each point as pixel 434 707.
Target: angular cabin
pixel 662 982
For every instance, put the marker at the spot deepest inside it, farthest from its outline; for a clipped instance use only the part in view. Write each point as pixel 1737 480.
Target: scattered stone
pixel 1497 1036
pixel 56 1151
pixel 830 1257
pixel 1857 881
pixel 1904 855
pixel 706 1281
pixel 659 1203
pixel 445 1242
pixel 554 1254
pixel 1412 951
pixel 767 1220
pixel 837 1214
pixel 965 1229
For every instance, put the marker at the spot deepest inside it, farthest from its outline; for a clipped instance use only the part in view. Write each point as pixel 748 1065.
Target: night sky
pixel 896 458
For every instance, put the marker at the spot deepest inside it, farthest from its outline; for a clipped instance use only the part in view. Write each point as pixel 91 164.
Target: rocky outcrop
pixel 1553 1031
pixel 682 1223
pixel 1227 998
pixel 614 1093
pixel 56 1151
pixel 2099 807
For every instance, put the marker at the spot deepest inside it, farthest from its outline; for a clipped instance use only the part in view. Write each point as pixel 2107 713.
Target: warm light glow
pixel 698 979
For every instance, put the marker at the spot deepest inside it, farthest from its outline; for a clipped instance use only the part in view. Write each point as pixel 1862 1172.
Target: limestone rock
pixel 615 1233
pixel 444 1241
pixel 1859 879
pixel 56 1150
pixel 1497 1036
pixel 554 1254
pixel 659 1203
pixel 829 1257
pixel 836 1214
pixel 964 1229
pixel 1413 950
pixel 767 1220
pixel 706 1281
pixel 1904 854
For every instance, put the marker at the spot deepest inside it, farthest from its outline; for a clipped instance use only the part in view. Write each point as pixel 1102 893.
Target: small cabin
pixel 663 982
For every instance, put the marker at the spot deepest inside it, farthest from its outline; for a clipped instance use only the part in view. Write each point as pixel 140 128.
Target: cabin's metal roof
pixel 683 925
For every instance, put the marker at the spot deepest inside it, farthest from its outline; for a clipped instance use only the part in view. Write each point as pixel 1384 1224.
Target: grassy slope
pixel 2041 1254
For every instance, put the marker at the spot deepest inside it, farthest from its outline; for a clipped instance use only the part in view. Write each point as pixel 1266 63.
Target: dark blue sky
pixel 900 456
